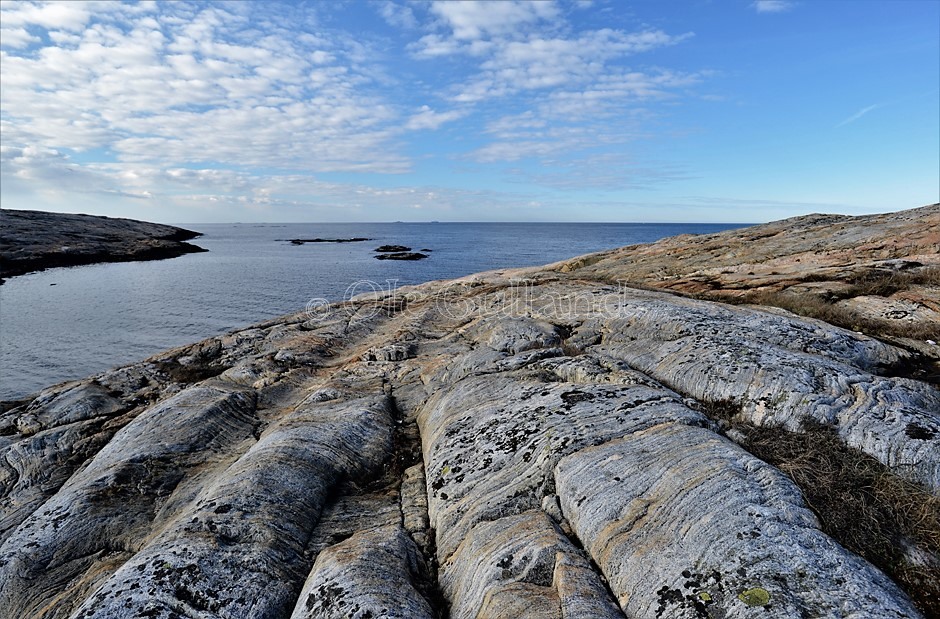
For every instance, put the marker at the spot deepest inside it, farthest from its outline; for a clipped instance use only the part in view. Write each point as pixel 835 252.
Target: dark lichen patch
pixel 570 398
pixel 710 594
pixel 189 373
pixel 198 600
pixel 326 596
pixel 919 432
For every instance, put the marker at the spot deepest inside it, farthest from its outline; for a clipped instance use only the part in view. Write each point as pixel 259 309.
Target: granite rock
pixel 537 442
pixel 37 240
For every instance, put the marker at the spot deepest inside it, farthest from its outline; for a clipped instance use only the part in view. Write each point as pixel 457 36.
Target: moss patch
pixel 755 596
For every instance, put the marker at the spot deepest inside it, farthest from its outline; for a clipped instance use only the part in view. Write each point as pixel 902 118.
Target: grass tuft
pixel 890 521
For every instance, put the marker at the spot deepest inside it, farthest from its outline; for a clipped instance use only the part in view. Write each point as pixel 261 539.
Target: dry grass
pixel 892 522
pixel 884 283
pixel 869 282
pixel 825 309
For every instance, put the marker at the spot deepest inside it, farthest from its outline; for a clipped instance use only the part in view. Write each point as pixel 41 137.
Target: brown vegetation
pixel 892 522
pixel 871 282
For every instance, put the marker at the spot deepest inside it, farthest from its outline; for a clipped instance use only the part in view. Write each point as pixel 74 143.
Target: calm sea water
pixel 64 324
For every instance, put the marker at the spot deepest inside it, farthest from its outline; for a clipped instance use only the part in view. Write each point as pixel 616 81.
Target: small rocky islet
pixel 595 438
pixel 399 252
pixel 384 252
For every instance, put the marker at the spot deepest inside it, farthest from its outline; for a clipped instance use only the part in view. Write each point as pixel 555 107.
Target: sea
pixel 68 323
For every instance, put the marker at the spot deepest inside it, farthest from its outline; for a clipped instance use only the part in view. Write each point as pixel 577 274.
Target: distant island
pixel 357 239
pixel 38 240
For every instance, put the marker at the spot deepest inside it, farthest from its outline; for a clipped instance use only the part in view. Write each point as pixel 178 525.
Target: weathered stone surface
pixel 36 240
pixel 523 566
pixel 783 373
pixel 56 433
pixel 106 507
pixel 254 520
pixel 716 531
pixel 806 264
pixel 519 443
pixel 370 574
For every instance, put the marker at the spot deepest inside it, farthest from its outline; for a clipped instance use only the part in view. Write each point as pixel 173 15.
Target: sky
pixel 327 111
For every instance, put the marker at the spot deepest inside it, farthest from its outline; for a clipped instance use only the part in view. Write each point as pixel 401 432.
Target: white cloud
pixel 859 114
pixel 49 180
pixel 427 118
pixel 70 16
pixel 772 6
pixel 434 45
pixel 16 37
pixel 542 63
pixel 190 83
pixel 220 105
pixel 567 92
pixel 398 15
pixel 575 121
pixel 471 20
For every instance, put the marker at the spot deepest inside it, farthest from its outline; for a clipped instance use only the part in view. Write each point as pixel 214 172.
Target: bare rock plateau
pixel 598 438
pixel 37 240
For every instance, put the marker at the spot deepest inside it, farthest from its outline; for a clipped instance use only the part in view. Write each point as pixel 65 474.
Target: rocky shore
pixel 37 240
pixel 595 438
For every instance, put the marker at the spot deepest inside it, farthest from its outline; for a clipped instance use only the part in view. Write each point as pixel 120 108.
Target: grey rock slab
pixel 716 353
pixel 370 574
pixel 108 505
pixel 46 441
pixel 522 566
pixel 490 444
pixel 684 523
pixel 513 334
pixel 254 521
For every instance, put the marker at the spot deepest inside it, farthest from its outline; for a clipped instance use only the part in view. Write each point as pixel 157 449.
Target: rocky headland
pixel 598 438
pixel 37 240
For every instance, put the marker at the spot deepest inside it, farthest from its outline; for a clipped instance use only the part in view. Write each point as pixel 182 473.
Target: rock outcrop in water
pixel 37 240
pixel 541 443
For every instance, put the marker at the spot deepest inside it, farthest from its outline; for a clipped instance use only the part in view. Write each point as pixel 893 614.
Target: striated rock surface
pixel 530 443
pixel 37 240
pixel 877 273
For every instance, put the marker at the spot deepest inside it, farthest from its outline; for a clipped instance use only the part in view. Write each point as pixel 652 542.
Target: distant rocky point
pixel 597 438
pixel 38 240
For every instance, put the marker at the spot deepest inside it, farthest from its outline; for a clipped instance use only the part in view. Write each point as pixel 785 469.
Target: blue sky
pixel 693 111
